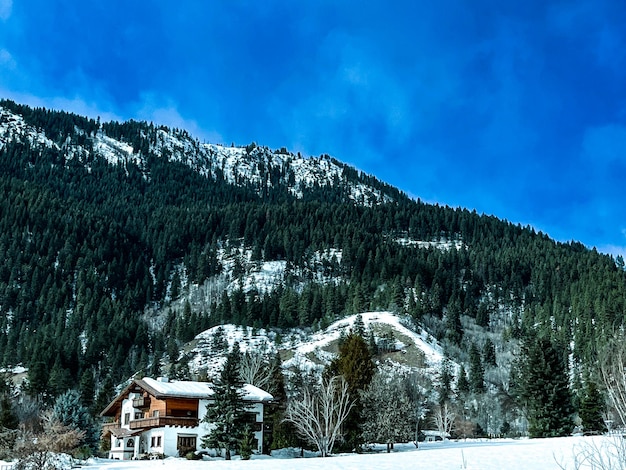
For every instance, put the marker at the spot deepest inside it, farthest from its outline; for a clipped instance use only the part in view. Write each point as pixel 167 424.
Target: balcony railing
pixel 141 402
pixel 160 421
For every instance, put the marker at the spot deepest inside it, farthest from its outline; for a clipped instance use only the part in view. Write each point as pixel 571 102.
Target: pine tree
pixel 227 411
pixel 489 353
pixel 245 443
pixel 592 407
pixel 355 365
pixel 358 328
pixel 462 384
pixel 282 432
pixel 8 419
pixel 543 389
pixel 69 411
pixel 104 396
pixel 454 328
pixel 87 388
pixel 444 389
pixel 476 372
pixel 387 412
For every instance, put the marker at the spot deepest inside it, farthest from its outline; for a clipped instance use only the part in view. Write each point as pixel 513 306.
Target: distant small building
pixel 432 436
pixel 160 417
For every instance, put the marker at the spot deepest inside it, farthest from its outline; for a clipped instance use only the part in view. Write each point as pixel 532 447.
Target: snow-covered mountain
pixel 252 166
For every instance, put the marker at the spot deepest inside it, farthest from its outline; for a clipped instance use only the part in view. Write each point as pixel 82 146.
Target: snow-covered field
pixel 507 454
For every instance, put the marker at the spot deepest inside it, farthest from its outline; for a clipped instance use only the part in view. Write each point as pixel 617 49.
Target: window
pixel 186 444
pixel 186 441
pixel 130 443
pixel 155 441
pixel 138 415
pixel 155 413
pixel 126 418
pixel 118 443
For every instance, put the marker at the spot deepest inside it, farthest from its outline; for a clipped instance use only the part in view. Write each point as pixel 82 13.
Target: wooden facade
pixel 159 417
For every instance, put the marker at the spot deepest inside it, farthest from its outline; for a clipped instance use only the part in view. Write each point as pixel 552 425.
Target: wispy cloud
pixel 5 9
pixel 517 109
pixel 165 111
pixel 6 60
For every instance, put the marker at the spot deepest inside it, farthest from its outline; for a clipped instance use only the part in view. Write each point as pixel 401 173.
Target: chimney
pixel 163 379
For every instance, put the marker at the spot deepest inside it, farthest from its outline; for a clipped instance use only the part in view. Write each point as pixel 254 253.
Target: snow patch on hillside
pixel 320 340
pixel 442 244
pixel 114 151
pixel 307 351
pixel 260 167
pixel 206 355
pixel 13 126
pixel 263 277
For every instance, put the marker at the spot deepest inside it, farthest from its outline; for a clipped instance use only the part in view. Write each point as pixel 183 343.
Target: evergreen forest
pixel 89 246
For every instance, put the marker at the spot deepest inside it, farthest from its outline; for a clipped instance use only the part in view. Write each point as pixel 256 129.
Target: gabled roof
pixel 179 389
pixel 123 432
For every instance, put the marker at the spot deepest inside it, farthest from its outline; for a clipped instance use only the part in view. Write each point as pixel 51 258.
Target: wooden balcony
pixel 141 402
pixel 160 421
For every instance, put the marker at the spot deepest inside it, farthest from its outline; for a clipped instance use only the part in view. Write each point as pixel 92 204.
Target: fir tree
pixel 358 328
pixel 387 412
pixel 592 408
pixel 476 372
pixel 245 443
pixel 69 411
pixel 281 433
pixel 489 353
pixel 462 384
pixel 8 418
pixel 227 410
pixel 543 389
pixel 104 396
pixel 454 328
pixel 87 388
pixel 355 365
pixel 444 389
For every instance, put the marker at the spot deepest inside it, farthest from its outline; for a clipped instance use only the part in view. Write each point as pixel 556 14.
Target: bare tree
pixel 38 450
pixel 613 371
pixel 254 369
pixel 444 419
pixel 318 417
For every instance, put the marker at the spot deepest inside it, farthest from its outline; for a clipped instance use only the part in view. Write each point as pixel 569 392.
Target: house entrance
pixel 186 444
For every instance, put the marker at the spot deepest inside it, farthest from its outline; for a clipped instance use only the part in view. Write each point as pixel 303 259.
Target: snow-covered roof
pixel 184 389
pixel 163 389
pixel 188 389
pixel 253 393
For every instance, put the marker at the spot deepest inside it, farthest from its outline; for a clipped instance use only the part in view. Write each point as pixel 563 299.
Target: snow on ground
pixel 442 244
pixel 203 356
pixel 432 351
pixel 13 125
pixel 523 454
pixel 320 340
pixel 268 276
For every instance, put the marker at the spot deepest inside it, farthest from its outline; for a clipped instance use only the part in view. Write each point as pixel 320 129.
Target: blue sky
pixel 515 109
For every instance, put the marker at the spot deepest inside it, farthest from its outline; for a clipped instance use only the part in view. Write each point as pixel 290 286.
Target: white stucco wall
pixel 168 434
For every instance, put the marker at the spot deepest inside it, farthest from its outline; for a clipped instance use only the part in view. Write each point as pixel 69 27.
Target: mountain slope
pixel 122 241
